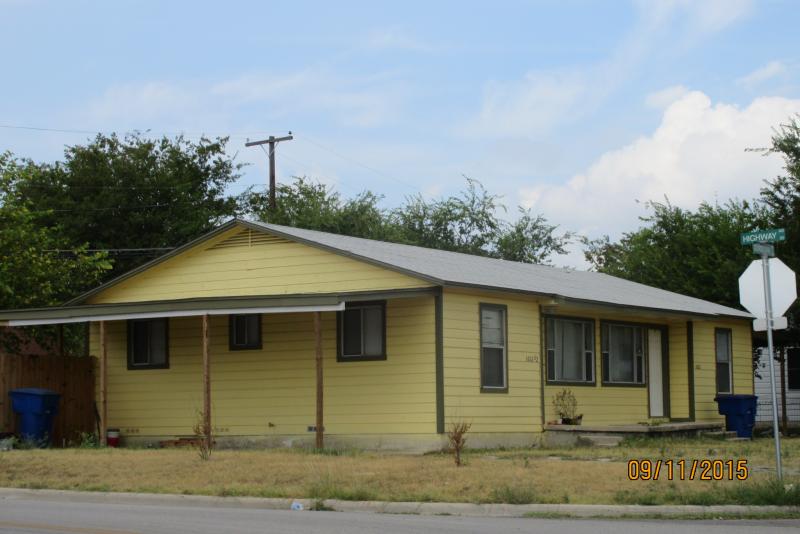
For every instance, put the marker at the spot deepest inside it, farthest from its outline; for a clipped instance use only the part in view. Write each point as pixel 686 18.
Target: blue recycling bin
pixel 739 412
pixel 36 408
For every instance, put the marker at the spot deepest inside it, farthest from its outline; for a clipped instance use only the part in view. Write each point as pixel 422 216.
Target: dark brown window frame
pixel 579 383
pixel 231 329
pixel 340 357
pixel 487 305
pixel 605 363
pixel 730 361
pixel 141 367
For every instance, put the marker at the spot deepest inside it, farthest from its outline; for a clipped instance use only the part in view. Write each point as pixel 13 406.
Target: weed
pixel 457 439
pixel 513 495
pixel 88 440
pixel 203 439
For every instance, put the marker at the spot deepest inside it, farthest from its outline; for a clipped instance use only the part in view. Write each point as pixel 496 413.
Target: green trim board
pixel 690 358
pixel 89 311
pixel 439 326
pixel 504 308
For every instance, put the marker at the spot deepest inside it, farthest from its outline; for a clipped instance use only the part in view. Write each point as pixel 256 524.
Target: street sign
pixel 778 323
pixel 778 285
pixel 783 285
pixel 763 236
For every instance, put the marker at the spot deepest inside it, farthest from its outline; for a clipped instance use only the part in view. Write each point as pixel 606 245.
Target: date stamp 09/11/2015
pixel 688 469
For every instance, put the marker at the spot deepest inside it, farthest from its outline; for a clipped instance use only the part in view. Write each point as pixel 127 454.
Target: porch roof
pixel 171 308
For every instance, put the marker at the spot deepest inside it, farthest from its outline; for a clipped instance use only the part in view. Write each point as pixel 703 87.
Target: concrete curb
pixel 382 507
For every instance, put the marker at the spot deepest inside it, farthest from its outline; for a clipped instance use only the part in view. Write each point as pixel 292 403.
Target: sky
pixel 581 111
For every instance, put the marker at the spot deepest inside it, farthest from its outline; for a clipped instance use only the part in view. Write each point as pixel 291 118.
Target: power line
pixel 272 141
pixel 359 163
pixel 95 132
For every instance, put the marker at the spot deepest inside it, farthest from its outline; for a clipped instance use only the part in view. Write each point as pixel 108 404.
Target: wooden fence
pixel 71 377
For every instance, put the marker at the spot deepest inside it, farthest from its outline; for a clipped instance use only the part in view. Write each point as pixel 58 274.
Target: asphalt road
pixel 35 515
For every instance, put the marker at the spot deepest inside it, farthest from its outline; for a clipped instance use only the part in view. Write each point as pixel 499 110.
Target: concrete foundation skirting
pixel 421 508
pixel 403 443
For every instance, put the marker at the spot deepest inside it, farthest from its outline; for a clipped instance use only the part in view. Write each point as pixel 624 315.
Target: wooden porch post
pixel 103 383
pixel 318 339
pixel 206 386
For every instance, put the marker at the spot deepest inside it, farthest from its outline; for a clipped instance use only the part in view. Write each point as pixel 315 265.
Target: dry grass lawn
pixel 580 475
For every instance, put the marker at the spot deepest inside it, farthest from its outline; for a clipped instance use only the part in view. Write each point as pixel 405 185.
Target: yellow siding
pixel 245 267
pixel 251 389
pixel 678 371
pixel 705 364
pixel 518 410
pixel 605 405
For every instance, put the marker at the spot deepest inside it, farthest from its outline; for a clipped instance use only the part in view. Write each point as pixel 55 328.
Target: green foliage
pixel 467 222
pixel 88 440
pixel 131 192
pixel 782 196
pixel 694 253
pixel 565 404
pixel 32 274
pixel 767 493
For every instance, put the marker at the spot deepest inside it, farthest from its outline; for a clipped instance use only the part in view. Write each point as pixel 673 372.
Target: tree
pixel 782 197
pixel 32 272
pixel 132 192
pixel 467 222
pixel 312 205
pixel 695 253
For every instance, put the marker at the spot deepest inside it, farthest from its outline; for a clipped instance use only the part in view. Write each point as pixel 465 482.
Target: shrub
pixel 457 439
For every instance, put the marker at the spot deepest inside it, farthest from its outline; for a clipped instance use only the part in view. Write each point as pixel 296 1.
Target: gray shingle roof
pixel 453 268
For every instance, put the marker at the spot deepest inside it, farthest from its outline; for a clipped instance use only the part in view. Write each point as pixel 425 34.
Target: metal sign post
pixel 766 251
pixel 750 285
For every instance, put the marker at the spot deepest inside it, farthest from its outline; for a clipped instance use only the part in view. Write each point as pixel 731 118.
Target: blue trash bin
pixel 36 408
pixel 739 412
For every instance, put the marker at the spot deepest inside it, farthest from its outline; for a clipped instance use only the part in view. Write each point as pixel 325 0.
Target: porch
pixel 612 435
pixel 292 388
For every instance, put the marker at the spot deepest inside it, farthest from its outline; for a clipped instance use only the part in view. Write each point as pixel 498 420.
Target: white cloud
pixel 766 72
pixel 696 154
pixel 530 106
pixel 141 103
pixel 665 97
pixel 542 100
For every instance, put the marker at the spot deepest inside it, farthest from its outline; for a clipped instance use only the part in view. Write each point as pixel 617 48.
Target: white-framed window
pixel 494 349
pixel 569 344
pixel 148 344
pixel 362 331
pixel 244 332
pixel 724 356
pixel 623 351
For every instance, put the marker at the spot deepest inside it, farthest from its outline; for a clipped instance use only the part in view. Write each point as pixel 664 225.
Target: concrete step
pixel 726 434
pixel 600 440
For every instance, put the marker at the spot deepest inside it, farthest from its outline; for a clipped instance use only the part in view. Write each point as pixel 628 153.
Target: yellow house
pixel 280 335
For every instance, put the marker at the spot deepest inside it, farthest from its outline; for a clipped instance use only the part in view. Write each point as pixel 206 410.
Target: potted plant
pixel 566 406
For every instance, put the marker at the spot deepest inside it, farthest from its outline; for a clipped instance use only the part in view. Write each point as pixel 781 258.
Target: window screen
pixel 493 347
pixel 723 358
pixel 245 331
pixel 147 344
pixel 362 331
pixel 623 354
pixel 570 350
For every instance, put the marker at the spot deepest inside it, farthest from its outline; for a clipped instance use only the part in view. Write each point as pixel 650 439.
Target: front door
pixel 655 375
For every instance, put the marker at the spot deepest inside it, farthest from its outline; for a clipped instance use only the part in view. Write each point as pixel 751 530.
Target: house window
pixel 148 346
pixel 244 331
pixel 362 332
pixel 570 349
pixel 623 354
pixel 493 348
pixel 723 358
pixel 793 368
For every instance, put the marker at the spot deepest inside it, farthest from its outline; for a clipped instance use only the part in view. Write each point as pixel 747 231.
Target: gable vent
pixel 248 238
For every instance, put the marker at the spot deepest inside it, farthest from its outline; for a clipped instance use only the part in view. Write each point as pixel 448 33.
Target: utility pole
pixel 272 141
